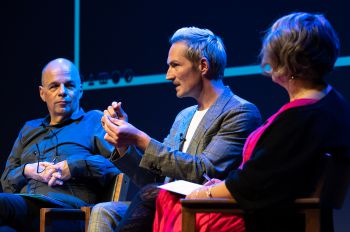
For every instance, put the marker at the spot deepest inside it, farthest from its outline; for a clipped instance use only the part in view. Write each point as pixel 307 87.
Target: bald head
pixel 59 66
pixel 61 89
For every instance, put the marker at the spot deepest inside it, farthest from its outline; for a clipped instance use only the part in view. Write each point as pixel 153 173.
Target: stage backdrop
pixel 122 35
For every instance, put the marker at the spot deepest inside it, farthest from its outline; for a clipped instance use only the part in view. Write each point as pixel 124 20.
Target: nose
pixel 169 75
pixel 62 90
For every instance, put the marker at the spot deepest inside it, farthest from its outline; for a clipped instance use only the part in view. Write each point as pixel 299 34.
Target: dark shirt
pixel 80 141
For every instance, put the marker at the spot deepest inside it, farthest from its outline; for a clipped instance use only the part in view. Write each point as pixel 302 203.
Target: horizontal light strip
pixel 343 61
pixel 160 78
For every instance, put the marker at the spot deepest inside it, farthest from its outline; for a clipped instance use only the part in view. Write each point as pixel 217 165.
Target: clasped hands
pixel 47 172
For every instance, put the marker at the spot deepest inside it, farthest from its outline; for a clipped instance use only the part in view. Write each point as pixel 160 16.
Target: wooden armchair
pixel 330 193
pixel 117 192
pixel 308 206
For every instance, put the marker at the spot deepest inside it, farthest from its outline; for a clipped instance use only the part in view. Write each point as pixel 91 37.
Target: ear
pixel 42 94
pixel 283 74
pixel 80 91
pixel 204 66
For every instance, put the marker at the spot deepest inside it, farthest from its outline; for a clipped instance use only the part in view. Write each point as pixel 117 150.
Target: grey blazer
pixel 215 149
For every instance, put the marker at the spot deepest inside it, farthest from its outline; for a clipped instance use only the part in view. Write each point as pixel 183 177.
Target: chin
pixel 64 111
pixel 180 95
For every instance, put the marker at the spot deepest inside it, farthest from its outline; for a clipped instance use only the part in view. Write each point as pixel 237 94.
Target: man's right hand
pixel 115 110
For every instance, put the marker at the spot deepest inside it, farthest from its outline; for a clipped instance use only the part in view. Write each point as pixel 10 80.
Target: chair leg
pixel 87 211
pixel 312 220
pixel 42 219
pixel 188 220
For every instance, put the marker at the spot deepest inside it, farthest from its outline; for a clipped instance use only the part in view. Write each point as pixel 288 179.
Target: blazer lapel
pixel 213 112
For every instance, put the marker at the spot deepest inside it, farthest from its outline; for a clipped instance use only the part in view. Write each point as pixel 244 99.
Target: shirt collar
pixel 74 117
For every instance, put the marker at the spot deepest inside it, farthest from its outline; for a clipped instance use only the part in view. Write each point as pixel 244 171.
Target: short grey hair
pixel 203 43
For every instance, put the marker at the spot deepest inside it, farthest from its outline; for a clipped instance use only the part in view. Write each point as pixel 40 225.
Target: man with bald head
pixel 56 161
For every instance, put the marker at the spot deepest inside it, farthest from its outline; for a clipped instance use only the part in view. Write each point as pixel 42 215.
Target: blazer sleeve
pixel 223 143
pixel 129 164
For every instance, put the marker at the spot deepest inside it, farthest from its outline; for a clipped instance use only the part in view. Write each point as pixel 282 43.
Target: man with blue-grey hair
pixel 205 139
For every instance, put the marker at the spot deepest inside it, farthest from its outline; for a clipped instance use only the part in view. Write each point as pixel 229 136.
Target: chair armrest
pixel 211 205
pixel 308 206
pixel 312 202
pixel 192 206
pixel 229 205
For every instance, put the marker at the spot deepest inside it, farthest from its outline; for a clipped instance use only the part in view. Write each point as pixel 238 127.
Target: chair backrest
pixel 121 187
pixel 330 194
pixel 336 181
pixel 117 190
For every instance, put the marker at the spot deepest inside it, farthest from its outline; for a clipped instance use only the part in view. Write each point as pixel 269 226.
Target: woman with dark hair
pixel 284 158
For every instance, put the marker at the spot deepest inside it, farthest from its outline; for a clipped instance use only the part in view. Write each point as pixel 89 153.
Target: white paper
pixel 180 186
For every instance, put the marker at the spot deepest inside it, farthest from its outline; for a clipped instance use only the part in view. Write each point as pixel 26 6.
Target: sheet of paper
pixel 180 186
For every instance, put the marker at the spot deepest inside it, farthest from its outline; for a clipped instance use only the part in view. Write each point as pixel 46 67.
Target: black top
pixel 289 157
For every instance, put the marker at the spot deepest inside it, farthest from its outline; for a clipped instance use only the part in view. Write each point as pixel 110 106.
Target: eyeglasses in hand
pixel 39 167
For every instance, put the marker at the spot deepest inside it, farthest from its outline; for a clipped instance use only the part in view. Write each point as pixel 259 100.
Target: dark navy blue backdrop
pixel 117 35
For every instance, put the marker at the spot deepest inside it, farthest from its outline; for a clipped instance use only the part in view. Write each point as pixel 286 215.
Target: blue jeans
pixel 117 216
pixel 21 213
pixel 106 216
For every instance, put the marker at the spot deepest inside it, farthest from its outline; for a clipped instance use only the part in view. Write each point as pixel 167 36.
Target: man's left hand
pixel 62 174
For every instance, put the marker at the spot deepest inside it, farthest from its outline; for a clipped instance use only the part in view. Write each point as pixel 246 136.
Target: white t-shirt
pixel 197 117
